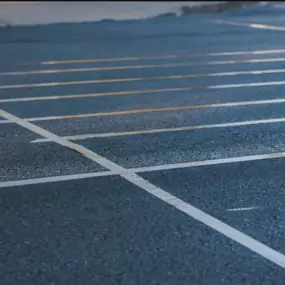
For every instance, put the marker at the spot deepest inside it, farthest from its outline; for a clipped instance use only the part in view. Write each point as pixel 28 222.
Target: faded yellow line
pixel 139 111
pixel 153 110
pixel 116 113
pixel 126 67
pixel 114 80
pixel 136 92
pixel 165 130
pixel 160 57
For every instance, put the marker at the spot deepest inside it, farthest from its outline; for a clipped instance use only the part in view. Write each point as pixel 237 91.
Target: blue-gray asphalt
pixel 106 231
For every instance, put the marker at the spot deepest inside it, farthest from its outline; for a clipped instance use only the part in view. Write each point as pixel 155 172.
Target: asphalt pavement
pixel 144 152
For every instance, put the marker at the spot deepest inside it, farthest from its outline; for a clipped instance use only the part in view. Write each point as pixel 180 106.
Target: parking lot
pixel 143 152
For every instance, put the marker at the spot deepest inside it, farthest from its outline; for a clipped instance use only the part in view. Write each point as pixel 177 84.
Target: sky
pixel 30 13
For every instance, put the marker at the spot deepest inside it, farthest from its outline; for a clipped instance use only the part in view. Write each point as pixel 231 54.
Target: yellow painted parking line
pixel 153 110
pixel 131 79
pixel 161 57
pixel 165 130
pixel 88 95
pixel 126 67
pixel 137 92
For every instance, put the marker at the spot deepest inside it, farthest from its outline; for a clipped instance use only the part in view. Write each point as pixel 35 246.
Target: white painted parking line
pixel 52 84
pixel 117 80
pixel 51 179
pixel 136 92
pixel 208 162
pixel 182 165
pixel 140 111
pixel 242 209
pixel 208 220
pixel 166 130
pixel 161 57
pixel 255 26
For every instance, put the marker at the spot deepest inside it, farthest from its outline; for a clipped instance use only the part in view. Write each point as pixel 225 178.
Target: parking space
pixel 183 146
pixel 189 133
pixel 246 195
pixel 22 160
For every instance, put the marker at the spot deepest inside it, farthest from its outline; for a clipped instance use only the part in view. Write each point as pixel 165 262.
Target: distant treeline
pixel 219 7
